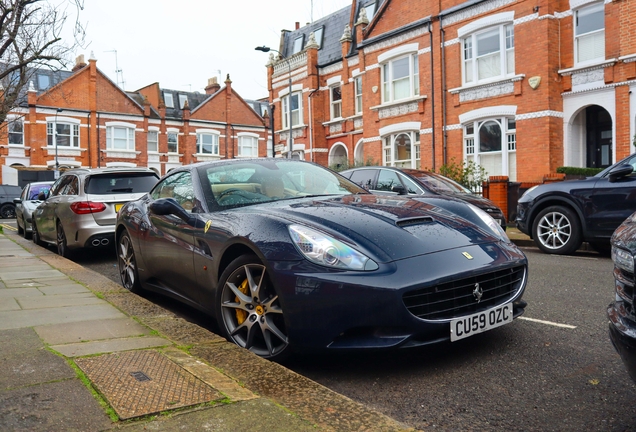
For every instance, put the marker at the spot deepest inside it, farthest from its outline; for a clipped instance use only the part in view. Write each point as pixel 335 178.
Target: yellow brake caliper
pixel 241 315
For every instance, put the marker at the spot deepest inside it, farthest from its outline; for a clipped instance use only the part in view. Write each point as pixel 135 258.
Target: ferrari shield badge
pixel 466 254
pixel 207 226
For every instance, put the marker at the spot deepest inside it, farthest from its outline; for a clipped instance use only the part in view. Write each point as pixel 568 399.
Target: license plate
pixel 480 322
pixel 118 207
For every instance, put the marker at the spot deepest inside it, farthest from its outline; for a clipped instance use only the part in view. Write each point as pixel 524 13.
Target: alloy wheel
pixel 554 230
pixel 251 312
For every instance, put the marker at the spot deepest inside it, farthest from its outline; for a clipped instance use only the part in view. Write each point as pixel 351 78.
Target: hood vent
pixel 414 221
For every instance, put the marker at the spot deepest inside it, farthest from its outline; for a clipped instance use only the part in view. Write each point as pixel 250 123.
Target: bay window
pixel 488 54
pixel 248 145
pixel 400 78
pixel 492 144
pixel 120 137
pixel 402 150
pixel 296 110
pixel 208 143
pixel 65 135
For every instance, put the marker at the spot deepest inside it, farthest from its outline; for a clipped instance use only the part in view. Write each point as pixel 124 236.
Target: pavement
pixel 81 353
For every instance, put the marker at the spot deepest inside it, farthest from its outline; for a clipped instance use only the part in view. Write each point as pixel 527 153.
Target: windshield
pixel 267 180
pixel 120 183
pixel 442 184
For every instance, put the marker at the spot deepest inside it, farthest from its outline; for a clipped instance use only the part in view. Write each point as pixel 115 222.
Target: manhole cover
pixel 138 383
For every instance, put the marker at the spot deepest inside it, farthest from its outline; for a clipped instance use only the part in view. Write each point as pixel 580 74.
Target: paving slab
pixel 92 330
pixel 12 275
pixel 54 301
pixel 64 289
pixel 110 346
pixel 37 317
pixel 25 361
pixel 20 292
pixel 56 406
pixel 9 303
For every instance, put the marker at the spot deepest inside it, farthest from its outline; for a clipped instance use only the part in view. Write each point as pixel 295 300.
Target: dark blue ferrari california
pixel 287 254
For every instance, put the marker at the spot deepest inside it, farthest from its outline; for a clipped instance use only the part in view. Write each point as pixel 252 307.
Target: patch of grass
pixel 97 395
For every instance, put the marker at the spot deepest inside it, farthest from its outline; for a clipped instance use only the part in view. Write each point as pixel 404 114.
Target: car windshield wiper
pixel 122 190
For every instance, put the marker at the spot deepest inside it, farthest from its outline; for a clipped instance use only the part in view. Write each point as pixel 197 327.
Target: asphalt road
pixel 553 370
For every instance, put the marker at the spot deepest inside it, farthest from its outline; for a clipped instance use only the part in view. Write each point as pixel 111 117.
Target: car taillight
pixel 86 207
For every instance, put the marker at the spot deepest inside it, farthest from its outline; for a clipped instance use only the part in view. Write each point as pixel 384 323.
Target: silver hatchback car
pixel 81 208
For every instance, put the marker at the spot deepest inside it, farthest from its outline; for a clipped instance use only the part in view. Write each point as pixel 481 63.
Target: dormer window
pixel 182 100
pixel 298 44
pixel 370 10
pixel 167 99
pixel 318 36
pixel 44 82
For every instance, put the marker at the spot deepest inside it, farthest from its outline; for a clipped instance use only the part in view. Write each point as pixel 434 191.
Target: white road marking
pixel 567 326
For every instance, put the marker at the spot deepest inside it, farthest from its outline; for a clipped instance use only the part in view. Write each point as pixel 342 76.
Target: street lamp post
pixel 56 174
pixel 289 101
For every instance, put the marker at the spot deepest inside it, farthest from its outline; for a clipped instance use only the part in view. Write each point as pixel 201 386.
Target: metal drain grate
pixel 138 383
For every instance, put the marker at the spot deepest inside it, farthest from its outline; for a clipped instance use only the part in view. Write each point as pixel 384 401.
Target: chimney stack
pixel 213 86
pixel 79 63
pixel 297 25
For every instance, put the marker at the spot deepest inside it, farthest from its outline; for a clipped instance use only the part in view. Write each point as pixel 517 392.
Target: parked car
pixel 26 203
pixel 288 254
pixel 406 181
pixel 621 312
pixel 7 194
pixel 81 209
pixel 560 216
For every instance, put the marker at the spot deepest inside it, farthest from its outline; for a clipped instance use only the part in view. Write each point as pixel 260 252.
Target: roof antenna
pixel 119 74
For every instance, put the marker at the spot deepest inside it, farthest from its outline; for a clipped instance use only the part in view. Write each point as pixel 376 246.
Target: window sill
pixel 301 126
pixel 483 84
pixel 52 148
pixel 206 155
pixel 111 150
pixel 587 67
pixel 396 103
pixel 15 146
pixel 334 121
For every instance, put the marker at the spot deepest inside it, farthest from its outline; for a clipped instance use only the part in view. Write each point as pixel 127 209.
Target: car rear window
pixel 107 184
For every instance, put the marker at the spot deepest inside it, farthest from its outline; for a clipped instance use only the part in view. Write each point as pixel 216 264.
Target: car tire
pixel 249 311
pixel 7 211
pixel 21 231
pixel 127 264
pixel 557 230
pixel 35 235
pixel 27 234
pixel 62 246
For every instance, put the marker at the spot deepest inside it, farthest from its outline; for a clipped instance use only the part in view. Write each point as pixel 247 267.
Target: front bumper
pixel 352 310
pixel 622 331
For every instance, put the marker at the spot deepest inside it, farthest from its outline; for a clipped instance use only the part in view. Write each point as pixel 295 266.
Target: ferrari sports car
pixel 288 255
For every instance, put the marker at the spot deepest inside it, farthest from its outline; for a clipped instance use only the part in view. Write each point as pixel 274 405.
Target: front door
pixel 599 137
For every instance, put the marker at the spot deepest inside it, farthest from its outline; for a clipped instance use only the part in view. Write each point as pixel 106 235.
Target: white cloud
pixel 181 44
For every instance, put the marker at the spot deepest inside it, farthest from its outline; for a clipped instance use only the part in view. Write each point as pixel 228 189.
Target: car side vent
pixel 414 221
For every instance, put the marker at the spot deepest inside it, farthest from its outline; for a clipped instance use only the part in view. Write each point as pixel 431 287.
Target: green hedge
pixel 587 172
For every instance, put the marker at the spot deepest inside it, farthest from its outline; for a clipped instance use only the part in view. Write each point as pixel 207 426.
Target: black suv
pixel 559 216
pixel 7 194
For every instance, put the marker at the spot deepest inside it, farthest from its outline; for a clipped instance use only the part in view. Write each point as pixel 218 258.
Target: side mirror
pixel 399 189
pixel 42 196
pixel 170 206
pixel 17 200
pixel 619 172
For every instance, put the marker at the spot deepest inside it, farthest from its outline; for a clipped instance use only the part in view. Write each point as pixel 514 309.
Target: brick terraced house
pixel 100 125
pixel 519 87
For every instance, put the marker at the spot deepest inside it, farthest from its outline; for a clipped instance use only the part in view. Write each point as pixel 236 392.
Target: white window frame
pixel 247 144
pixel 357 84
pixel 389 81
pixel 13 121
pixel 335 101
pixel 183 98
pixel 472 145
pixel 168 100
pixel 285 110
pixel 202 133
pixel 389 152
pixel 470 58
pixel 299 43
pixel 153 131
pixel 112 136
pixel 596 34
pixel 171 132
pixel 52 124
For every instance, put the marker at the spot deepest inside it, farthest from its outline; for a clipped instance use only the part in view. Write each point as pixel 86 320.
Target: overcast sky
pixel 182 43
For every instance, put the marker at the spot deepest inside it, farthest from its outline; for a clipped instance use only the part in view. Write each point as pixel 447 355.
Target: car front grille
pixel 458 298
pixel 624 284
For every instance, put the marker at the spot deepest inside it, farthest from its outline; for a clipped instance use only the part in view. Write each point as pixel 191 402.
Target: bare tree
pixel 31 38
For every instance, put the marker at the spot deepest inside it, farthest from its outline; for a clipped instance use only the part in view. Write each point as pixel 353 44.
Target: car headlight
pixel 490 222
pixel 623 259
pixel 321 249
